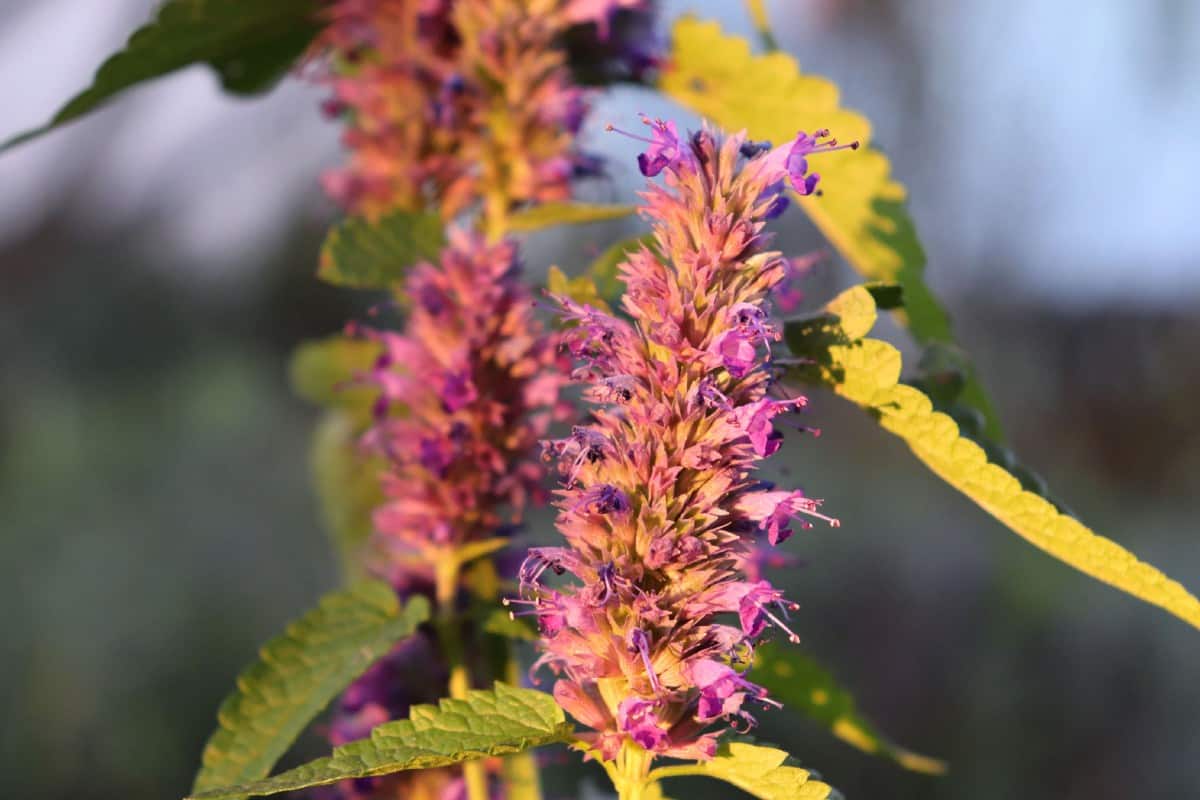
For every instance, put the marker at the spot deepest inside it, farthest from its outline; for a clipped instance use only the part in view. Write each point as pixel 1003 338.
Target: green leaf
pixel 375 254
pixel 581 288
pixel 501 623
pixel 762 772
pixel 346 480
pixel 547 215
pixel 604 270
pixel 250 43
pixel 803 685
pixel 323 371
pixel 867 372
pixel 862 209
pixel 494 722
pixel 298 674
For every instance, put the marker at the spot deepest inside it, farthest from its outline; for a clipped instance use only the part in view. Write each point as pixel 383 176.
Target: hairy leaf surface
pixel 250 44
pixel 862 210
pixel 376 254
pixel 487 722
pixel 547 215
pixel 297 675
pixel 761 772
pixel 803 685
pixel 867 372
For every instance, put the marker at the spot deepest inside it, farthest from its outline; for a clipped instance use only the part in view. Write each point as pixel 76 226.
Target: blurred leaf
pixel 887 296
pixel 761 772
pixel 250 43
pixel 346 479
pixel 548 215
pixel 323 371
pixel 605 269
pixel 862 208
pixel 762 23
pixel 803 685
pixel 501 623
pixel 493 722
pixel 375 254
pixel 298 674
pixel 581 288
pixel 867 372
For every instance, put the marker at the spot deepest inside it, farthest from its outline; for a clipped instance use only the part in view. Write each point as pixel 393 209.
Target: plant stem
pixel 632 769
pixel 446 570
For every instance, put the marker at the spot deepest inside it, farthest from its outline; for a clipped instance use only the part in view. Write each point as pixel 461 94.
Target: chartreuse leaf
pixel 325 372
pixel 346 479
pixel 491 722
pixel 581 288
pixel 867 372
pixel 250 43
pixel 862 208
pixel 761 772
pixel 361 253
pixel 803 685
pixel 297 675
pixel 547 215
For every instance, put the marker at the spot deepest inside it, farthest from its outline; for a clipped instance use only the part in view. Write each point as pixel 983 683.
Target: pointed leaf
pixel 346 480
pixel 867 372
pixel 298 674
pixel 493 722
pixel 862 209
pixel 604 271
pixel 547 215
pixel 581 289
pixel 250 43
pixel 761 772
pixel 375 254
pixel 803 685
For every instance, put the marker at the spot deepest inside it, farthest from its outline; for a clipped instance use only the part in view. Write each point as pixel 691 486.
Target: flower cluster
pixel 661 511
pixel 448 102
pixel 466 390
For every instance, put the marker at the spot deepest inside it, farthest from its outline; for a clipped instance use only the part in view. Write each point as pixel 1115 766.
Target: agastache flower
pixel 478 381
pixel 660 509
pixel 451 102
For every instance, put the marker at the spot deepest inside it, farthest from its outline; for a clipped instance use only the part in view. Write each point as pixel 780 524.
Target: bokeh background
pixel 156 523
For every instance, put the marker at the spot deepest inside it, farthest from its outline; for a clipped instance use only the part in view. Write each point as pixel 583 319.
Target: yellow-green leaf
pixel 296 676
pixel 493 722
pixel 346 480
pixel 323 371
pixel 867 372
pixel 862 208
pixel 803 685
pixel 547 215
pixel 761 772
pixel 360 253
pixel 581 288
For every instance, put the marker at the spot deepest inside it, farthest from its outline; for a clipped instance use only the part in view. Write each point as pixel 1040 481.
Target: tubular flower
pixel 466 390
pixel 448 102
pixel 660 508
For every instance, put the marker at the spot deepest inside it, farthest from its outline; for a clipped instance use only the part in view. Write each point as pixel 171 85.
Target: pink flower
pixel 660 508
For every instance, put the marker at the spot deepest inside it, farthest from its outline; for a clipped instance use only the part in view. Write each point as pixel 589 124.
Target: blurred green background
pixel 156 270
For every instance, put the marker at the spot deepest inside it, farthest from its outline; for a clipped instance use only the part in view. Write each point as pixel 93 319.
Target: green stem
pixel 632 771
pixel 447 568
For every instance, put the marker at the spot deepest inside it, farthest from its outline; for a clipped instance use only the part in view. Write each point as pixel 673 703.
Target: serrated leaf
pixel 803 685
pixel 360 253
pixel 346 480
pixel 323 371
pixel 250 43
pixel 492 722
pixel 298 674
pixel 867 372
pixel 761 772
pixel 547 215
pixel 862 210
